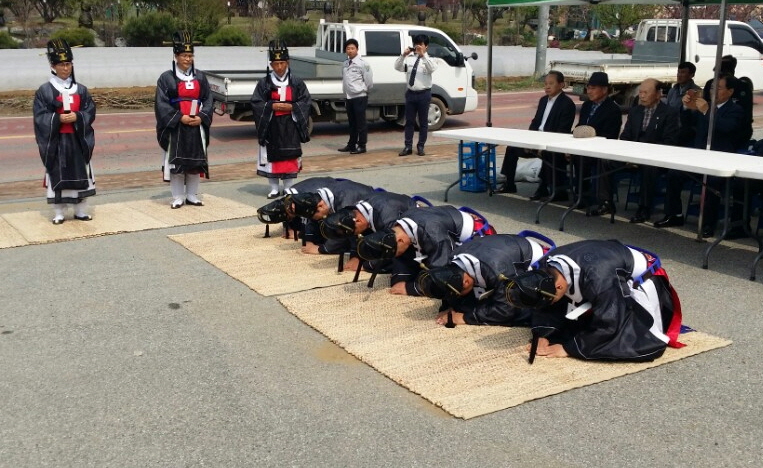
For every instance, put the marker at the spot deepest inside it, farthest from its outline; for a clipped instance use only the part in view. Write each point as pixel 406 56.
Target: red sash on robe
pixel 187 95
pixel 276 96
pixel 73 105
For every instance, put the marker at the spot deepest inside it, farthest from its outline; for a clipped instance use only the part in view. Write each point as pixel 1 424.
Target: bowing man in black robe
pixel 64 114
pixel 183 109
pixel 472 284
pixel 281 106
pixel 425 236
pixel 598 299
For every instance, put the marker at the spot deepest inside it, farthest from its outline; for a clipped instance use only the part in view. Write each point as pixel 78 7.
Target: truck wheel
pixel 437 114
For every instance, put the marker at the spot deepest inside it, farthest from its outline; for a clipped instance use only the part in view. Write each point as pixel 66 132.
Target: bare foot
pixel 398 288
pixel 549 350
pixel 458 318
pixel 310 248
pixel 352 264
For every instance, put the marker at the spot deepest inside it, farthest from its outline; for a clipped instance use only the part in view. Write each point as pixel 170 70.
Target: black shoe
pixel 83 217
pixel 420 151
pixel 539 194
pixel 670 221
pixel 406 151
pixel 194 203
pixel 346 149
pixel 707 231
pixel 273 195
pixel 506 188
pixel 358 150
pixel 641 216
pixel 604 209
pixel 561 196
pixel 736 233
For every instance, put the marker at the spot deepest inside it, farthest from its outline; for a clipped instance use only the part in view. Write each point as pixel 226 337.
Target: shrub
pixel 149 29
pixel 228 36
pixel 296 34
pixel 7 42
pixel 75 36
pixel 452 31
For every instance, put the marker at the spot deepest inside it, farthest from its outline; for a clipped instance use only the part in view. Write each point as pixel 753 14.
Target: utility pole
pixel 541 41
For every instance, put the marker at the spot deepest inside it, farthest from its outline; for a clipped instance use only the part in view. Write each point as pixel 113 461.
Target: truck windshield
pixel 440 46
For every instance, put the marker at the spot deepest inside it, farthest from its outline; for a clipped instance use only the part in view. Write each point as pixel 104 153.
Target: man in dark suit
pixel 651 121
pixel 605 116
pixel 727 136
pixel 556 113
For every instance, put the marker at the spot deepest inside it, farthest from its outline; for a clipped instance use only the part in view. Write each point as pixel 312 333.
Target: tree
pixel 49 10
pixel 623 16
pixel 384 10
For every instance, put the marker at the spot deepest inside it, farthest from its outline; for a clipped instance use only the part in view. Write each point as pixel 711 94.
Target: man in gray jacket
pixel 357 80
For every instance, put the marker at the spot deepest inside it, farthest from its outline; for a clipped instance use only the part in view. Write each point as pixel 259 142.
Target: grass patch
pixel 509 83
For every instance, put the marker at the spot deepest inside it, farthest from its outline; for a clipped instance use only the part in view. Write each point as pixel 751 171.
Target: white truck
pixel 656 53
pixel 379 44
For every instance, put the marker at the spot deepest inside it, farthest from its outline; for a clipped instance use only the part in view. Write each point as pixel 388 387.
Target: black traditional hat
pixel 182 43
pixel 274 212
pixel 381 245
pixel 339 225
pixel 531 290
pixel 305 204
pixel 277 50
pixel 446 282
pixel 59 51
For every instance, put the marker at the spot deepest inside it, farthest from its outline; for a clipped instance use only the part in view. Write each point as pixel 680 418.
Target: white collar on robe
pixel 62 85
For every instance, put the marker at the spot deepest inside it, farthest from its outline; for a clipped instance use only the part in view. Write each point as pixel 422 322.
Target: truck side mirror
pixel 473 56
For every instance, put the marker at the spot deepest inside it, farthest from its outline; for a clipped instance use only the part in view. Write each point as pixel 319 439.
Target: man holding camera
pixel 418 67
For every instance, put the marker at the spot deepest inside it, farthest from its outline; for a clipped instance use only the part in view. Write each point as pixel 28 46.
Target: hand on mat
pixel 398 288
pixel 351 265
pixel 458 318
pixel 549 350
pixel 310 248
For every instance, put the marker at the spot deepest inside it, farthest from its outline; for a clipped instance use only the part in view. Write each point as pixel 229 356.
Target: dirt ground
pixel 15 103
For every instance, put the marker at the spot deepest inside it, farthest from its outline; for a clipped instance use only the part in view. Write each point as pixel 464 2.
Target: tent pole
pixel 684 29
pixel 489 107
pixel 711 123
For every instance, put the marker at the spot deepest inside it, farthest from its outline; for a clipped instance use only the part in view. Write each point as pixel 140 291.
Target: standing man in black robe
pixel 64 114
pixel 556 113
pixel 281 105
pixel 183 109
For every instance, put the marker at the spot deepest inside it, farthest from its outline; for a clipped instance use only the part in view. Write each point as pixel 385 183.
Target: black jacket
pixel 662 127
pixel 607 119
pixel 561 117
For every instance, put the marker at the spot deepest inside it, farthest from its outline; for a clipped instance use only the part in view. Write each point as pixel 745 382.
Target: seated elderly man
pixel 379 211
pixel 471 285
pixel 597 299
pixel 422 236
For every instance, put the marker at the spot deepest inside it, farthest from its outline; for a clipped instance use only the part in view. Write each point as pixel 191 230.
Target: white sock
pixel 273 185
pixel 287 183
pixel 192 187
pixel 177 186
pixel 80 209
pixel 58 210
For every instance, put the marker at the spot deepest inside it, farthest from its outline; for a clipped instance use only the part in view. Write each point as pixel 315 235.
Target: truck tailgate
pixel 233 85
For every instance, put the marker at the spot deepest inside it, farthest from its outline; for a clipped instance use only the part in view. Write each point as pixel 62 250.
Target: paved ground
pixel 127 350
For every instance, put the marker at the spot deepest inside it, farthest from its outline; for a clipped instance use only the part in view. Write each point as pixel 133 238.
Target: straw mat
pixel 468 370
pixel 35 227
pixel 269 266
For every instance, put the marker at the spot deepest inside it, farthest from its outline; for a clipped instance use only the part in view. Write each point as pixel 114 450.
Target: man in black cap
pixel 64 113
pixel 555 113
pixel 604 115
pixel 184 111
pixel 422 236
pixel 379 210
pixel 282 210
pixel 599 299
pixel 281 105
pixel 472 284
pixel 317 205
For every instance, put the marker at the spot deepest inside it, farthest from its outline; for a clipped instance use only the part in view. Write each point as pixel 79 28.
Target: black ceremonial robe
pixel 66 156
